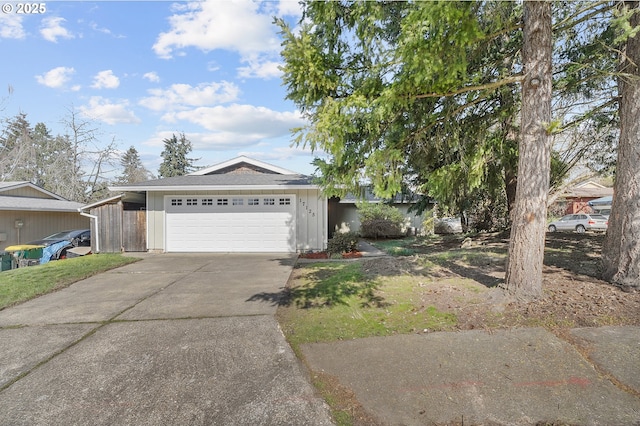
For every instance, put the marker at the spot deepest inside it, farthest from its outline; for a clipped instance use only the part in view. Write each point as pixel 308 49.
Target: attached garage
pixel 255 223
pixel 241 205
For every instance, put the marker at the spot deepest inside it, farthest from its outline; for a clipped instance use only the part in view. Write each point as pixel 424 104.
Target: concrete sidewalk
pixel 170 340
pixel 517 377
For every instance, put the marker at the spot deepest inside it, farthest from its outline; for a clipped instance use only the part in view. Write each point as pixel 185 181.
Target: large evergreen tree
pixel 621 249
pixel 529 218
pixel 132 168
pixel 175 160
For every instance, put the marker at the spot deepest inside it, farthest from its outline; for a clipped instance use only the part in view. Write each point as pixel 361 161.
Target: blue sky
pixel 143 70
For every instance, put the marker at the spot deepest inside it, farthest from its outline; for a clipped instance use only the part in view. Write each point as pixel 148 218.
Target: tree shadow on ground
pixel 326 288
pixel 576 253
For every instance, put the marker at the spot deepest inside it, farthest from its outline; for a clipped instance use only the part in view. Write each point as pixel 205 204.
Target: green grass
pixel 19 285
pixel 336 301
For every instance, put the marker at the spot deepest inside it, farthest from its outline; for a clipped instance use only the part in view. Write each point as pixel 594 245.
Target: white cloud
pixel 260 68
pixel 278 153
pixel 290 8
pixel 56 77
pixel 52 29
pixel 180 96
pixel 111 113
pixel 237 26
pixel 242 123
pixel 152 77
pixel 11 26
pixel 105 80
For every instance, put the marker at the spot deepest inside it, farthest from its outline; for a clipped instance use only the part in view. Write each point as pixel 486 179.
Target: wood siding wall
pixel 119 230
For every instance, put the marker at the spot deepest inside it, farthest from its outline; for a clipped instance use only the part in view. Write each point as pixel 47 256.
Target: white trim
pixel 242 159
pixel 99 203
pixel 191 188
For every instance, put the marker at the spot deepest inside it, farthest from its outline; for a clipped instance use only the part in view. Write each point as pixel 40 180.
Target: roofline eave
pixel 165 188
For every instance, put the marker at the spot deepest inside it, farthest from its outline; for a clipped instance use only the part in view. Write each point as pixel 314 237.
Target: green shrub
pixel 342 242
pixel 378 220
pixel 428 224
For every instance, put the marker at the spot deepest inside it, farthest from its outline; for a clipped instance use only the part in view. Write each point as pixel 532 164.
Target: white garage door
pixel 260 223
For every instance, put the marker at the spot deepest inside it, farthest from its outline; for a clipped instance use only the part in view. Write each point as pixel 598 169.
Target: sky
pixel 144 70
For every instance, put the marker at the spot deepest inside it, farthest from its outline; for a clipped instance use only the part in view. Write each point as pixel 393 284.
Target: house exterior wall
pixel 579 205
pixel 343 217
pixel 36 225
pixel 311 216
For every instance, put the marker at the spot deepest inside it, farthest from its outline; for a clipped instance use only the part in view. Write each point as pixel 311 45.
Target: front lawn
pixel 444 283
pixel 339 301
pixel 19 285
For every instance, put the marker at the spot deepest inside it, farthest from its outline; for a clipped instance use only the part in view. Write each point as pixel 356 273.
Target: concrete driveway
pixel 172 339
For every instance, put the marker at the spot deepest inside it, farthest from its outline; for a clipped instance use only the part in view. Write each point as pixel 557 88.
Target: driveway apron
pixel 172 339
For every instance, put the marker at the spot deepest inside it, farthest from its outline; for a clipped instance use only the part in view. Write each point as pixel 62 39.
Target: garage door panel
pixel 198 226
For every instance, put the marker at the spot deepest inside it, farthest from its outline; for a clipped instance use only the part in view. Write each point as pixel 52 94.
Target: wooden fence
pixel 119 229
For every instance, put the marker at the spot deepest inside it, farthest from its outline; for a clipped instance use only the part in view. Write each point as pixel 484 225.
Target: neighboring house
pixel 28 212
pixel 343 212
pixel 240 205
pixel 602 205
pixel 578 197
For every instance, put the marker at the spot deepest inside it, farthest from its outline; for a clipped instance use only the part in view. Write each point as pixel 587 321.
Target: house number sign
pixel 309 211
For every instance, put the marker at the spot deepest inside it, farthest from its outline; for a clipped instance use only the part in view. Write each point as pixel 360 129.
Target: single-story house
pixel 578 197
pixel 240 205
pixel 28 212
pixel 343 212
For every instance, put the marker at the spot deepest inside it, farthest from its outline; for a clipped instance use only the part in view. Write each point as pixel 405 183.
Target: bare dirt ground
pixel 573 296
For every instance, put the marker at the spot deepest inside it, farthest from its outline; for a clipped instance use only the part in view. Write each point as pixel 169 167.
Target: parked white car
pixel 580 223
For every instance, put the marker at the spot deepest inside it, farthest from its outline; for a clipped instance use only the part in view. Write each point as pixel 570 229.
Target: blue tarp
pixel 49 251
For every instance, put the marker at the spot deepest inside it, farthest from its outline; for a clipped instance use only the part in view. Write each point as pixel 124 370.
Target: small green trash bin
pixel 32 253
pixel 6 261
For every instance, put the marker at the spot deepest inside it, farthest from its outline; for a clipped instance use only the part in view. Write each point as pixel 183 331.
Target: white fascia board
pixel 243 159
pixel 98 203
pixel 209 188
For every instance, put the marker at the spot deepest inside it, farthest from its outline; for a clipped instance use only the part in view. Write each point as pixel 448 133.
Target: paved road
pixel 171 340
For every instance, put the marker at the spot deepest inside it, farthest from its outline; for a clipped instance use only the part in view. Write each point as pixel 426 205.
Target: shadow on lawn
pixel 326 288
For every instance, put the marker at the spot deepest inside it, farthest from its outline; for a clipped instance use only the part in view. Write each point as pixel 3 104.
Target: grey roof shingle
pixel 237 180
pixel 37 204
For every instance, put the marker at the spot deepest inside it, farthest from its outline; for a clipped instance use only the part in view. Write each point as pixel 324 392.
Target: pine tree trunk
pixel 621 249
pixel 529 216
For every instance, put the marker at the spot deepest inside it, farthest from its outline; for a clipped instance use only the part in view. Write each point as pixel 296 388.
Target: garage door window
pixel 207 201
pixel 192 201
pixel 253 201
pixel 176 201
pixel 285 201
pixel 238 201
pixel 223 201
pixel 269 201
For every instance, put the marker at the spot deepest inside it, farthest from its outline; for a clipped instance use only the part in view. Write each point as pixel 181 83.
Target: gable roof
pixel 50 203
pixel 238 162
pixel 588 189
pixel 14 185
pixel 240 173
pixel 11 203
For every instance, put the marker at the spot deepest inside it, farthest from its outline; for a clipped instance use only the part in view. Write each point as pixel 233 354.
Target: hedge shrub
pixel 342 242
pixel 378 220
